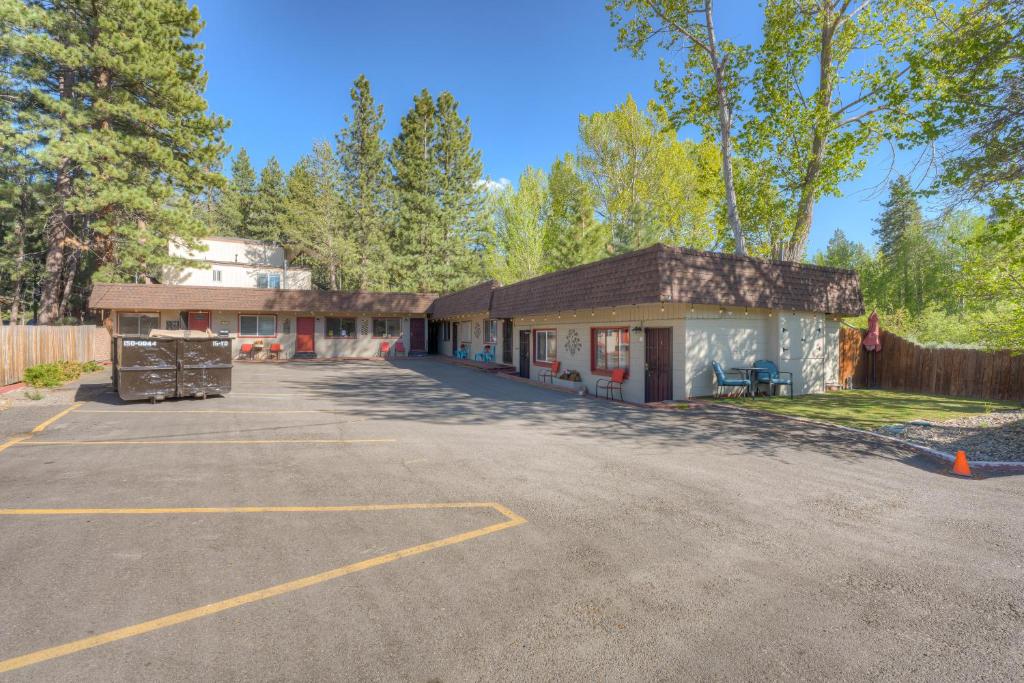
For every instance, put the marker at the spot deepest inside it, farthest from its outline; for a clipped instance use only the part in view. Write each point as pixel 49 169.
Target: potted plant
pixel 570 379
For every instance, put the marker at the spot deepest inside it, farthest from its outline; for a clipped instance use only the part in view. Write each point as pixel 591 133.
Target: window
pixel 387 327
pixel 137 323
pixel 545 347
pixel 340 327
pixel 268 281
pixel 217 276
pixel 490 331
pixel 446 331
pixel 257 325
pixel 609 349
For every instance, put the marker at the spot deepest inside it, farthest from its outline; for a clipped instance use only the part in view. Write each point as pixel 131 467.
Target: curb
pixel 12 387
pixel 1008 466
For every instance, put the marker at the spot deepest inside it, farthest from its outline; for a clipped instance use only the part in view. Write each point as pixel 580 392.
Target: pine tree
pixel 111 91
pixel 900 232
pixel 365 183
pixel 240 195
pixel 415 232
pixel 572 234
pixel 268 211
pixel 455 264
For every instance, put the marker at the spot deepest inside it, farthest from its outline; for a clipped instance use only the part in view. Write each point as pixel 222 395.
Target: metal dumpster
pixel 171 365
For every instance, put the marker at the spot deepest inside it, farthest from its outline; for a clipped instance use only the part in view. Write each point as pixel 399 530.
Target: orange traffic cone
pixel 960 465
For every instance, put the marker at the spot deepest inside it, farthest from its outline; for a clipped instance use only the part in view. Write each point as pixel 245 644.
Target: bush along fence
pixel 902 365
pixel 22 346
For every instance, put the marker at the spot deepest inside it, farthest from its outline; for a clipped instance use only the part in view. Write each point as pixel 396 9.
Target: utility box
pixel 169 365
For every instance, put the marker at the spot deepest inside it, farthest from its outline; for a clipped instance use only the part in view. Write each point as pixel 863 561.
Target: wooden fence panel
pixel 904 366
pixel 22 346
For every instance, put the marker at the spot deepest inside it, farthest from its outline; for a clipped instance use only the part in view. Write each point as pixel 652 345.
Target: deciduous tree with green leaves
pixel 316 219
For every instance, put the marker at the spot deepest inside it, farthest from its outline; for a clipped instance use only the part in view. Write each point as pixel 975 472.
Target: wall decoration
pixel 364 327
pixel 478 330
pixel 573 343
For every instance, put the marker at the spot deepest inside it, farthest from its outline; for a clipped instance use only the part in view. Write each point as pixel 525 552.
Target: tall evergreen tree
pixel 899 212
pixel 418 217
pixel 365 184
pixel 460 197
pixel 268 211
pixel 901 236
pixel 240 195
pixel 315 219
pixel 572 234
pixel 111 93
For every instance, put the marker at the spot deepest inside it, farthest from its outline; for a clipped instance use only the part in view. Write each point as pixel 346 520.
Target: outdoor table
pixel 751 373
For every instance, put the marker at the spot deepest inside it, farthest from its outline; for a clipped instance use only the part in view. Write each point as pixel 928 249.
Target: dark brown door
pixel 506 342
pixel 304 335
pixel 417 338
pixel 657 364
pixel 524 353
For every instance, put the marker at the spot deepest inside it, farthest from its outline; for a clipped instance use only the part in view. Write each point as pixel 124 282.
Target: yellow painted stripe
pixel 376 507
pixel 204 442
pixel 46 423
pixel 256 596
pixel 16 440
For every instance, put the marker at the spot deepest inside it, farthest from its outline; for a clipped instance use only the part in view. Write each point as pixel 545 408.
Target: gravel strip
pixel 992 436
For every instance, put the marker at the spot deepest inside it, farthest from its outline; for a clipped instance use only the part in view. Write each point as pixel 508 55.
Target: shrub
pixel 52 374
pixel 33 394
pixel 91 366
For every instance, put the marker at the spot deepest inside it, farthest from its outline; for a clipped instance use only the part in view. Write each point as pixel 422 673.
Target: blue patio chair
pixel 721 380
pixel 771 376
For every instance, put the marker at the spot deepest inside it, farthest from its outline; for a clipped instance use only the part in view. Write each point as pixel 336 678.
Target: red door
pixel 304 335
pixel 417 337
pixel 198 321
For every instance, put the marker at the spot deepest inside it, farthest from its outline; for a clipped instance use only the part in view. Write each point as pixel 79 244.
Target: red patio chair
pixel 548 374
pixel 613 383
pixel 385 348
pixel 399 348
pixel 275 351
pixel 246 351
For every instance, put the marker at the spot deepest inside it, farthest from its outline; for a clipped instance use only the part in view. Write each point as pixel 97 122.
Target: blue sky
pixel 522 71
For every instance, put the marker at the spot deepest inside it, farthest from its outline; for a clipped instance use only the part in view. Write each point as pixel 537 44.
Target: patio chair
pixel 722 380
pixel 770 375
pixel 246 351
pixel 549 373
pixel 385 349
pixel 611 384
pixel 462 353
pixel 275 351
pixel 399 348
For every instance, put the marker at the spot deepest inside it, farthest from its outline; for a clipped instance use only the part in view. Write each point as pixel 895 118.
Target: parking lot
pixel 421 521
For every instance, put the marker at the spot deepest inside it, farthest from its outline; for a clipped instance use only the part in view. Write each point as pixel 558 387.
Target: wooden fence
pixel 22 346
pixel 904 366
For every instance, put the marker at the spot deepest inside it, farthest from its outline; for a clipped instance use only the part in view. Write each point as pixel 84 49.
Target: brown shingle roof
pixel 662 273
pixel 164 297
pixel 475 299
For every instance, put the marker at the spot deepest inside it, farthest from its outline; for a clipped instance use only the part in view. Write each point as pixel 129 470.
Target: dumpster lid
pixel 185 334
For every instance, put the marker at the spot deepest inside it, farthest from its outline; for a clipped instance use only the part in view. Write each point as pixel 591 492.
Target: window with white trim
pixel 340 327
pixel 257 325
pixel 268 281
pixel 545 346
pixel 490 331
pixel 217 275
pixel 137 323
pixel 387 327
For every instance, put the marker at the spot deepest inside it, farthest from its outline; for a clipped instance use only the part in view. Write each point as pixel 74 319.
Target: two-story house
pixel 237 262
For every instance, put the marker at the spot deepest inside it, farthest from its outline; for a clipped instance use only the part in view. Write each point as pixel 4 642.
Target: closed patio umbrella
pixel 873 342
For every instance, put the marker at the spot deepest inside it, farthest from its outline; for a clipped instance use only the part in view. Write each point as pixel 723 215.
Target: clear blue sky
pixel 522 71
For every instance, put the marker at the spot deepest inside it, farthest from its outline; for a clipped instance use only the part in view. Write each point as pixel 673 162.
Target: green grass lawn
pixel 869 409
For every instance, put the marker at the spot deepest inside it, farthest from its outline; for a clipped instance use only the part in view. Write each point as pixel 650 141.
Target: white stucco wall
pixel 470 332
pixel 238 262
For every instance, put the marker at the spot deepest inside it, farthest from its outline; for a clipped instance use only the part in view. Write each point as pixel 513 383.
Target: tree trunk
pixel 20 230
pixel 71 262
pixel 725 126
pixel 58 226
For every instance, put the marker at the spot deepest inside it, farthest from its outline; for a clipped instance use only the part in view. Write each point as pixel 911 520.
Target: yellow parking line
pixel 46 423
pixel 378 507
pixel 16 440
pixel 38 656
pixel 202 442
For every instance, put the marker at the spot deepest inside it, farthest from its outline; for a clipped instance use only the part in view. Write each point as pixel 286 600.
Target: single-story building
pixel 665 313
pixel 661 314
pixel 306 323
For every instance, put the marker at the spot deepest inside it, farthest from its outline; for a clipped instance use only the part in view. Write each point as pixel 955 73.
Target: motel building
pixel 660 314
